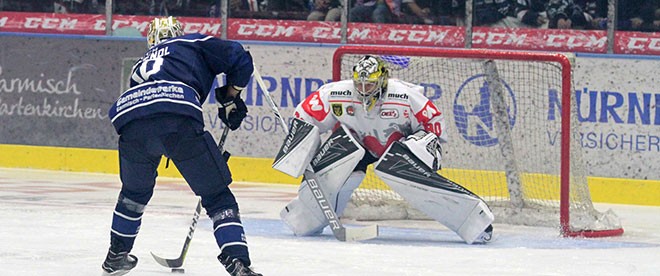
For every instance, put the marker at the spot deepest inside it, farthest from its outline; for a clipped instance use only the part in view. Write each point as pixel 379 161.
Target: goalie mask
pixel 370 80
pixel 163 28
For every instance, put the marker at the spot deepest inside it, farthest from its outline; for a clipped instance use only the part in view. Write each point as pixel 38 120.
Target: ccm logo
pixel 389 114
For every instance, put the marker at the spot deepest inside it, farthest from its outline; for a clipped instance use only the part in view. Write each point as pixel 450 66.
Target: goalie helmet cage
pixel 513 135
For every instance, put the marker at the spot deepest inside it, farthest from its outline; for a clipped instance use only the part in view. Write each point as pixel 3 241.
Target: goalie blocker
pixel 298 148
pixel 436 196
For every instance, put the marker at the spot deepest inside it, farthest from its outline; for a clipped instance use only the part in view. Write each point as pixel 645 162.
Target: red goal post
pixel 494 151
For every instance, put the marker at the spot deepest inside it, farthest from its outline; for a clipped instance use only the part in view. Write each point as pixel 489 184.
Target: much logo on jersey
pixel 341 93
pixel 337 109
pixel 473 111
pixel 401 96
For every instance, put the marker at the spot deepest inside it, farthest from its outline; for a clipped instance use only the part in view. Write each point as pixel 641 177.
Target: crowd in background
pixel 632 15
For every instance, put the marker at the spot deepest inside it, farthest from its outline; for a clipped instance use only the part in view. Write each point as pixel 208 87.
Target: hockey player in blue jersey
pixel 161 114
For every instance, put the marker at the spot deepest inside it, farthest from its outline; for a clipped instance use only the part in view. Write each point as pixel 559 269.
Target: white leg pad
pixel 303 215
pixel 436 196
pixel 466 215
pixel 335 176
pixel 475 223
pixel 345 192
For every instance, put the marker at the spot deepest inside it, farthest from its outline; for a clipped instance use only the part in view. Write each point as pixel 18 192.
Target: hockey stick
pixel 176 263
pixel 338 229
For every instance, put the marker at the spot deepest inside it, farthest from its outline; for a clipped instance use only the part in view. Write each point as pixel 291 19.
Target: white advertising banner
pixel 620 116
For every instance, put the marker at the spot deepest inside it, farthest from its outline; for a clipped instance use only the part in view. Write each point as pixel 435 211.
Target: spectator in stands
pixel 58 7
pixel 566 14
pixel 444 12
pixel 425 12
pixel 288 5
pixel 26 6
pixel 260 5
pixel 596 12
pixel 641 15
pixel 243 8
pixel 129 7
pixel 532 13
pixel 635 15
pixel 656 19
pixel 289 9
pixel 236 8
pixel 326 10
pixel 375 11
pixel 75 6
pixel 419 11
pixel 492 13
pixel 214 8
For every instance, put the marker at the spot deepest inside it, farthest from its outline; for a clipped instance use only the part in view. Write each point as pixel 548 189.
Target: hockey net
pixel 509 139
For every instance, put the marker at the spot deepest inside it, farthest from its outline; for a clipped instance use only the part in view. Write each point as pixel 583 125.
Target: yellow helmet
pixel 163 28
pixel 370 76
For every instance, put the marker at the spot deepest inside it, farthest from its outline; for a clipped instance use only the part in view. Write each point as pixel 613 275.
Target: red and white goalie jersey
pixel 401 111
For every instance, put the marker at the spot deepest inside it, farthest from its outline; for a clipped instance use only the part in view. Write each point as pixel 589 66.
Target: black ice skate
pixel 117 264
pixel 236 267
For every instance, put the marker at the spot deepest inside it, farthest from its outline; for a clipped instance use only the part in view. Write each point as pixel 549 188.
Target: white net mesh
pixel 518 171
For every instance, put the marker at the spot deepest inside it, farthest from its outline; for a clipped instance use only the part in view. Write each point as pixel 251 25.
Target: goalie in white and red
pixel 375 119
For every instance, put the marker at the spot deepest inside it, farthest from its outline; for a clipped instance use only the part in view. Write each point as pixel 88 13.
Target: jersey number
pixel 145 69
pixel 433 127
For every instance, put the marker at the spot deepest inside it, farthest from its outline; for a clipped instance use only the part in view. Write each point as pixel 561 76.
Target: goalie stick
pixel 340 232
pixel 178 262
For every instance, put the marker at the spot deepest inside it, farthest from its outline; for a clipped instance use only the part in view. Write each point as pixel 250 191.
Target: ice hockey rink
pixel 58 223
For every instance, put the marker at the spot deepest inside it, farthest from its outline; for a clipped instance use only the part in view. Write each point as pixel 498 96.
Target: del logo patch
pixel 337 109
pixel 389 114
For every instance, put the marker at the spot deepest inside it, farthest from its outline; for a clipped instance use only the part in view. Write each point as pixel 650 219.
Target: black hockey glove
pixel 426 146
pixel 231 110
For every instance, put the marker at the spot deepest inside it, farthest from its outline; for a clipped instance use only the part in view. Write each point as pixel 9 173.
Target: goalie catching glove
pixel 426 146
pixel 231 109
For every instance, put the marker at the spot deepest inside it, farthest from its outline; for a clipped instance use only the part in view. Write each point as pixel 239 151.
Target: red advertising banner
pixel 357 33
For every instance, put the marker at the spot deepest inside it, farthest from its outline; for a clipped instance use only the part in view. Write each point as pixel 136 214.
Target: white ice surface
pixel 58 223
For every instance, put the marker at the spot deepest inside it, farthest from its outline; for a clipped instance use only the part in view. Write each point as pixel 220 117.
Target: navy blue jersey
pixel 176 76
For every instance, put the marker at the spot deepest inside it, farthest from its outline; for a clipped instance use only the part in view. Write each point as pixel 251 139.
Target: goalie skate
pixel 486 236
